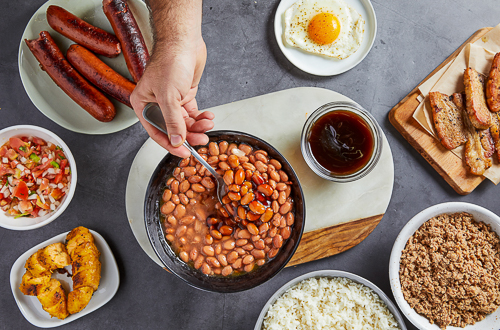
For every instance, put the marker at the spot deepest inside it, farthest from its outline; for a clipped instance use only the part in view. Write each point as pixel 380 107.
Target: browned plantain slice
pixel 474 158
pixel 54 256
pixel 79 298
pixel 493 85
pixel 495 133
pixel 53 299
pixel 32 286
pixel 447 120
pixel 477 110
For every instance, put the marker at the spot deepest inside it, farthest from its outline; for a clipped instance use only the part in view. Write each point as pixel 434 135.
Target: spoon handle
pixel 153 115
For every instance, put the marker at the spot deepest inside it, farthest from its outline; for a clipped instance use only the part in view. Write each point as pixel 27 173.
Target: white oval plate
pixel 330 273
pixel 47 96
pixel 31 308
pixel 322 65
pixel 492 321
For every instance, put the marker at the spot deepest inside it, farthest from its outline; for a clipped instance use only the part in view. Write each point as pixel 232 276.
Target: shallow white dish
pixel 330 273
pixel 322 65
pixel 25 223
pixel 492 321
pixel 47 96
pixel 30 306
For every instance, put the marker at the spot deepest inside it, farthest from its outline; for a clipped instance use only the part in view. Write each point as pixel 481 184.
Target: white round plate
pixel 30 306
pixel 322 65
pixel 330 273
pixel 285 112
pixel 492 321
pixel 47 96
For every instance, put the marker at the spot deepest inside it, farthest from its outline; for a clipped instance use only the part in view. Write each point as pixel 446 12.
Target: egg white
pixel 298 16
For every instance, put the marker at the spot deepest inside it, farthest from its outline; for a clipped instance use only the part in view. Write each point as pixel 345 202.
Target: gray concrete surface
pixel 243 61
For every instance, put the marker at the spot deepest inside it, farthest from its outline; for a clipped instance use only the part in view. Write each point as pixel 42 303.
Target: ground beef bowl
pixel 213 252
pixel 444 268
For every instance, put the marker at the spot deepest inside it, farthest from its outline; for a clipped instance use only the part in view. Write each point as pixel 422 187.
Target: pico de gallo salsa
pixel 34 177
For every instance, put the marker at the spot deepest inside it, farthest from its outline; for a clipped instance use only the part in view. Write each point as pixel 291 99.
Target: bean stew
pixel 249 231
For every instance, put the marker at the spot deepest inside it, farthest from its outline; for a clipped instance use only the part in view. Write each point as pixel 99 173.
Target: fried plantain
pixel 493 85
pixel 477 110
pixel 447 120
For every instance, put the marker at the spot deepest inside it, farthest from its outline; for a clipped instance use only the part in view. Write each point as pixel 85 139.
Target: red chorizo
pixel 83 33
pixel 126 29
pixel 68 79
pixel 100 74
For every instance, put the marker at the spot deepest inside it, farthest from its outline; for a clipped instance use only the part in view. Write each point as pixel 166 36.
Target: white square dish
pixel 31 308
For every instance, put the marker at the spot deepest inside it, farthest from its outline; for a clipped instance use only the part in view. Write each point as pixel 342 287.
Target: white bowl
pixel 330 273
pixel 492 321
pixel 25 223
pixel 31 308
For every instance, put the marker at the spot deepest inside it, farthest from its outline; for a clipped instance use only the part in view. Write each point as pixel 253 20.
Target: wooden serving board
pixel 334 221
pixel 449 166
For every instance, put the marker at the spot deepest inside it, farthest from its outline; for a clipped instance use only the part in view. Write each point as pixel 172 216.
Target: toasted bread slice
pixel 474 158
pixel 493 85
pixel 447 120
pixel 477 109
pixel 495 133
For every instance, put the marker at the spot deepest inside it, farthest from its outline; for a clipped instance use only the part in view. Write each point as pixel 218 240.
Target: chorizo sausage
pixel 127 31
pixel 100 74
pixel 71 82
pixel 83 33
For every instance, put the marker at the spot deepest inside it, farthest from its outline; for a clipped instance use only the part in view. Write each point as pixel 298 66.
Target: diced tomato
pixel 25 207
pixel 63 164
pixel 58 178
pixel 45 184
pixel 11 154
pixel 21 146
pixel 6 170
pixel 14 163
pixel 60 155
pixel 34 214
pixel 37 140
pixel 44 166
pixel 3 202
pixel 3 151
pixel 42 205
pixel 57 193
pixel 25 139
pixel 21 190
pixel 38 173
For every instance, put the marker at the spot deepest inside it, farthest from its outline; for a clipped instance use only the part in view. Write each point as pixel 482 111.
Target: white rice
pixel 329 303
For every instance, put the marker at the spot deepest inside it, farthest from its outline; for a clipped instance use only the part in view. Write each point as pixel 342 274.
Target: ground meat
pixel 450 270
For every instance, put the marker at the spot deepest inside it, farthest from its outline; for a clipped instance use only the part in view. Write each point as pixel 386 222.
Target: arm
pixel 173 73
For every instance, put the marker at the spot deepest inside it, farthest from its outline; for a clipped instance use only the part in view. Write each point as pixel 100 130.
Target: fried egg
pixel 325 27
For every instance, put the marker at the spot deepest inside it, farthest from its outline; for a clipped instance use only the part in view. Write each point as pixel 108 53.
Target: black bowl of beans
pixel 235 246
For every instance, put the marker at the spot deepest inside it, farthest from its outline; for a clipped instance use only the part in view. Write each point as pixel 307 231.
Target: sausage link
pixel 68 79
pixel 127 31
pixel 83 33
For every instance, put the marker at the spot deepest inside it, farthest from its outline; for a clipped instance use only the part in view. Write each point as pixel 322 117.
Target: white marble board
pixel 278 119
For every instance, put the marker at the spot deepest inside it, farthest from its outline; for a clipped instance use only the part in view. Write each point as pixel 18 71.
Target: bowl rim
pixel 74 175
pixel 330 273
pixel 156 245
pixel 407 231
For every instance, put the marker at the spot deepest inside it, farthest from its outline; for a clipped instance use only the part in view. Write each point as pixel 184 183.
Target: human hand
pixel 171 80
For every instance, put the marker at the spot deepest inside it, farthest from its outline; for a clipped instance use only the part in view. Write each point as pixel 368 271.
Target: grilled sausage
pixel 126 29
pixel 71 82
pixel 100 74
pixel 83 33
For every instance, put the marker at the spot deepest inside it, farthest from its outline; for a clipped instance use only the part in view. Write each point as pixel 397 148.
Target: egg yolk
pixel 324 28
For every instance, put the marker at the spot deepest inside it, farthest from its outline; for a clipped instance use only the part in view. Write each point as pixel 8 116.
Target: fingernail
pixel 176 140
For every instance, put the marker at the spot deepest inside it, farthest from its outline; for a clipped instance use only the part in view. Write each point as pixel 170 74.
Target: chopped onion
pixel 23 160
pixel 20 167
pixel 42 213
pixel 5 160
pixel 52 185
pixel 31 197
pixel 42 198
pixel 38 181
pixel 44 160
pixel 52 207
pixel 60 186
pixel 52 200
pixel 3 189
pixel 29 184
pixel 49 144
pixel 10 180
pixel 51 170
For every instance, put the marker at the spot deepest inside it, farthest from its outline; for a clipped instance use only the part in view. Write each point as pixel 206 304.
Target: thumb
pixel 176 125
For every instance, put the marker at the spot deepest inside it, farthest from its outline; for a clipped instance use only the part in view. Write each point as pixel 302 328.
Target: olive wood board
pixel 448 165
pixel 335 222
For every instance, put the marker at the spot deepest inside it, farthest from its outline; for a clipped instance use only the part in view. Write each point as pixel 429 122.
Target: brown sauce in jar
pixel 341 142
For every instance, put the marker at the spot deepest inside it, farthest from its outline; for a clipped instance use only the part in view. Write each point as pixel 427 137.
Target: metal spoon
pixel 153 115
